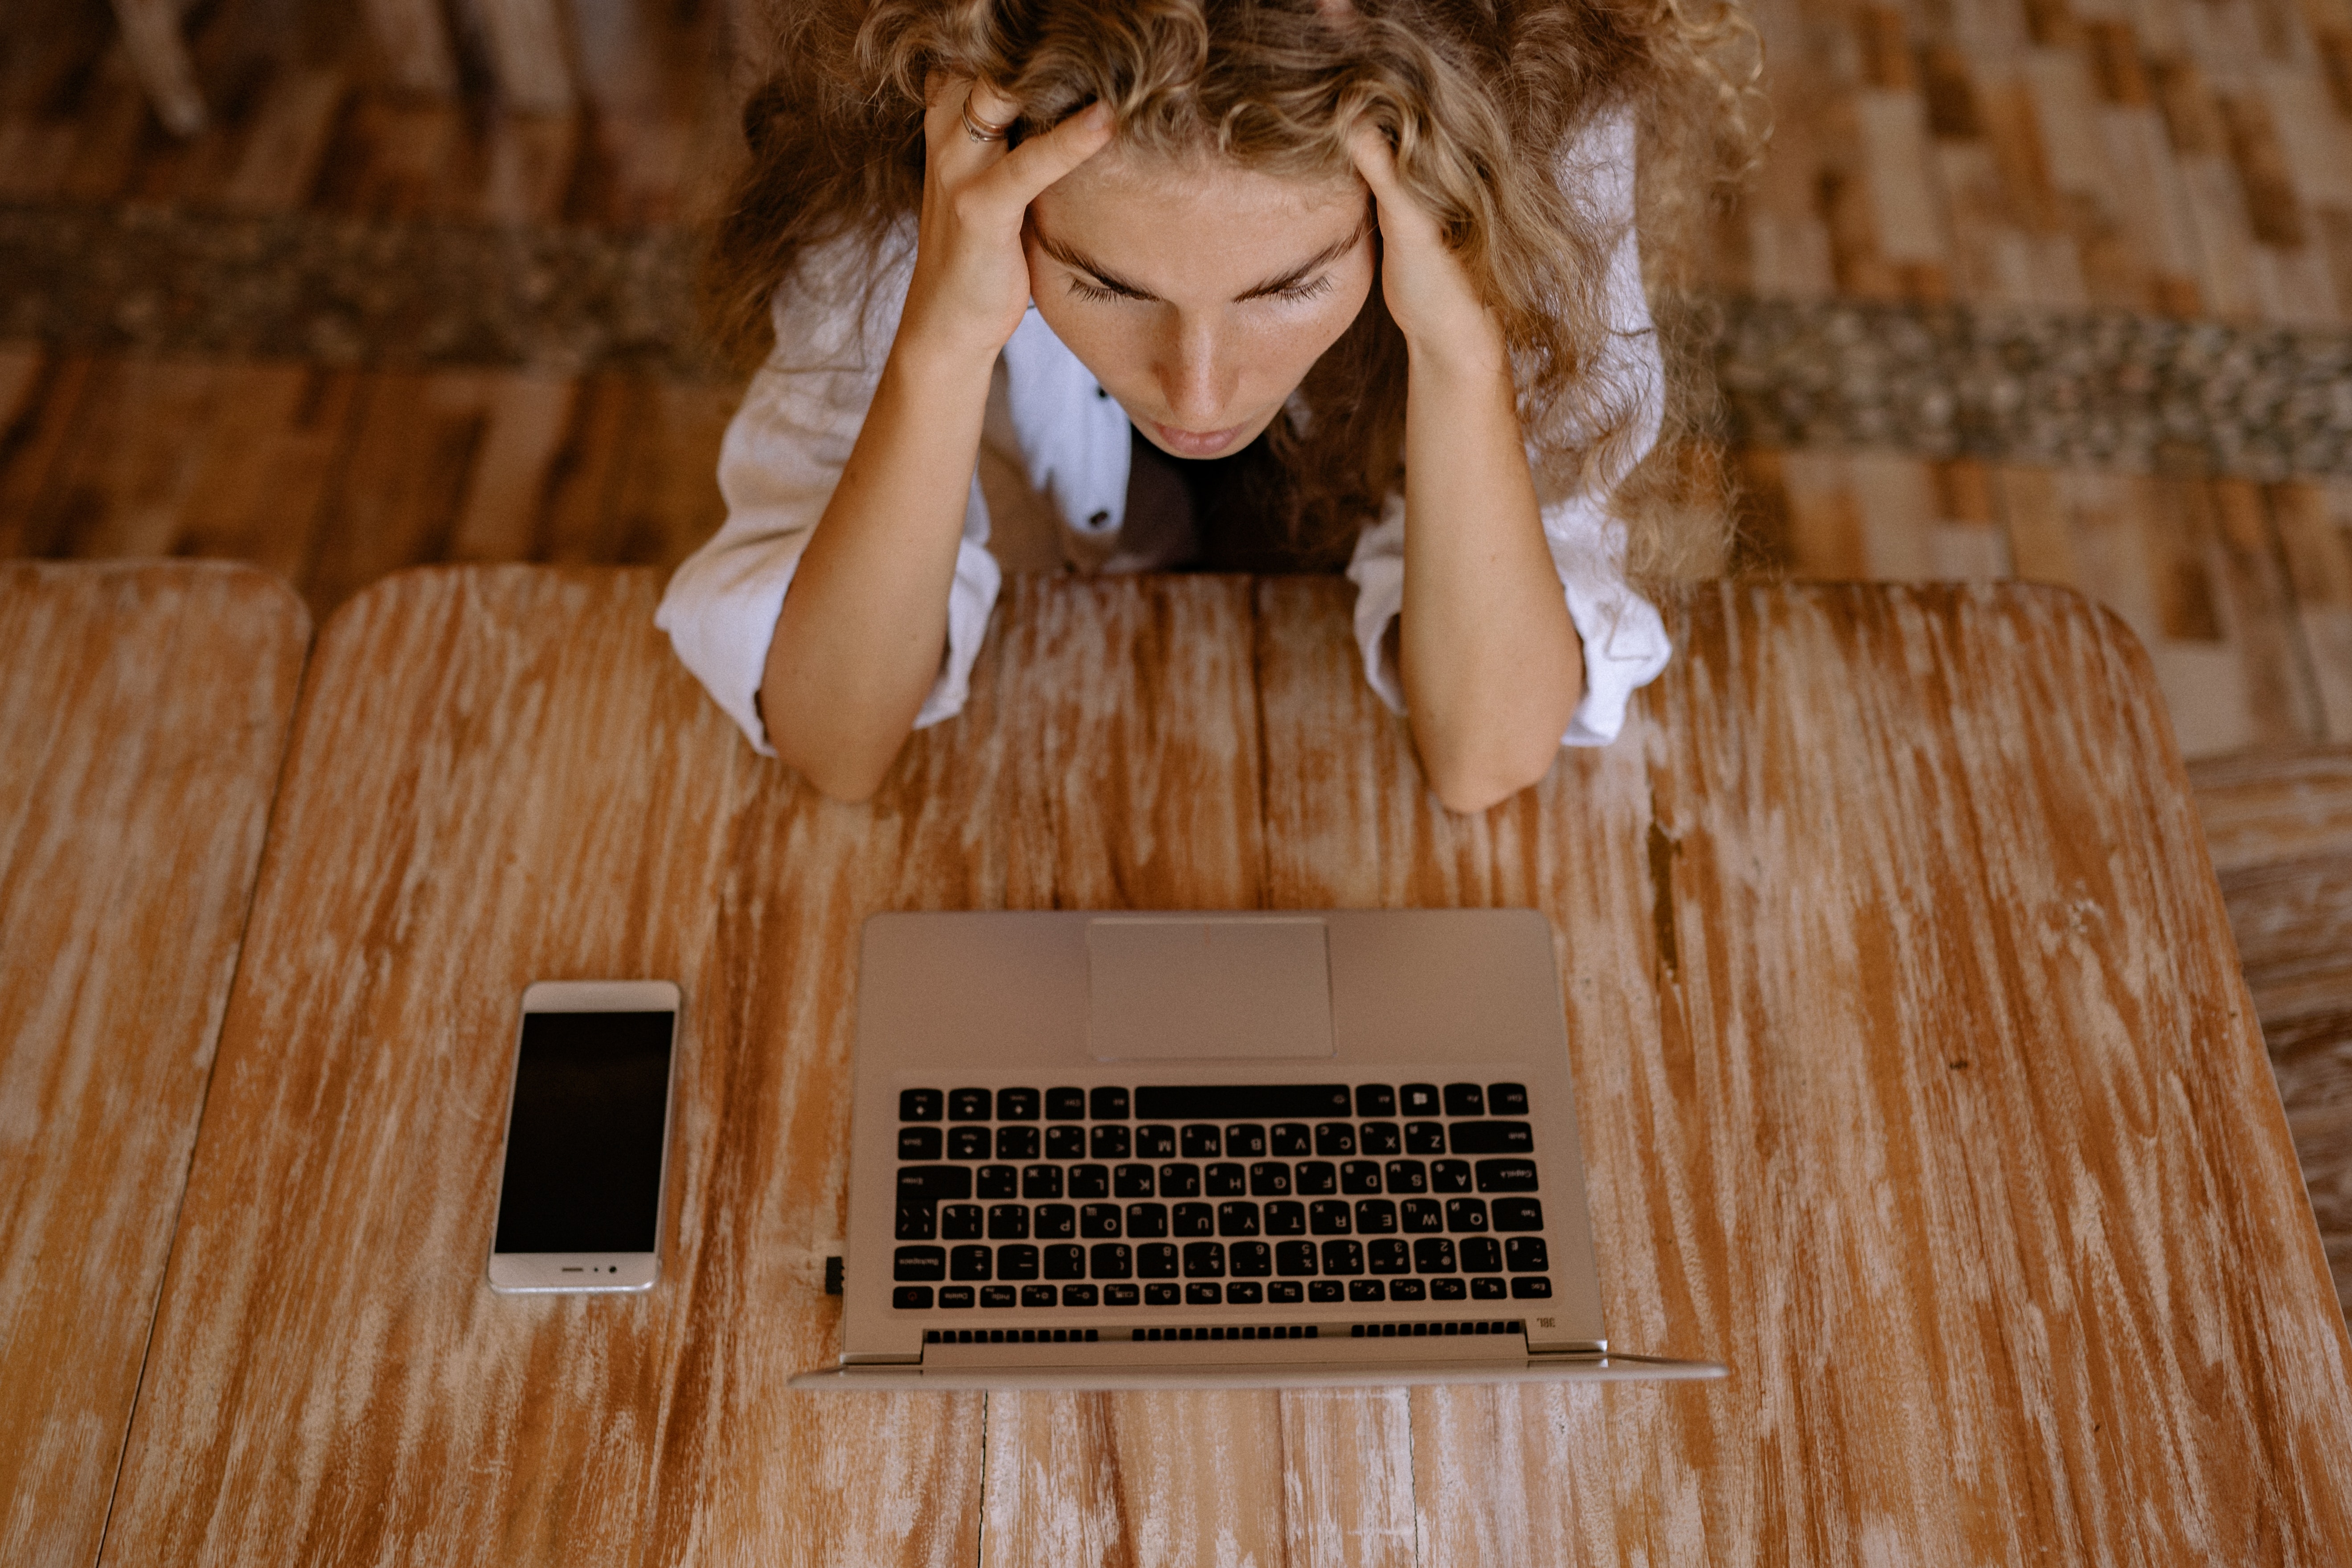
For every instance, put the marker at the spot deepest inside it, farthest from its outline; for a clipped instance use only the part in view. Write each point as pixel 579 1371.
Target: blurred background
pixel 2058 289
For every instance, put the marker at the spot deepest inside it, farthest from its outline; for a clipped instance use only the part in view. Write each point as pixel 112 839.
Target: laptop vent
pixel 1416 1330
pixel 1235 1332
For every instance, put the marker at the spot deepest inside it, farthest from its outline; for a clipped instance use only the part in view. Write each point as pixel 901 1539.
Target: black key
pixel 1324 1291
pixel 1133 1182
pixel 1039 1295
pixel 1016 1262
pixel 918 1142
pixel 1041 1182
pixel 1157 1141
pixel 1292 1139
pixel 1375 1217
pixel 1204 1294
pixel 1519 1214
pixel 1507 1099
pixel 955 1296
pixel 1453 1288
pixel 1258 1102
pixel 1237 1219
pixel 1421 1099
pixel 1054 1221
pixel 1111 1260
pixel 997 1182
pixel 1424 1137
pixel 1375 1100
pixel 1250 1259
pixel 1065 1105
pixel 1226 1180
pixel 1111 1142
pixel 918 1263
pixel 1368 1290
pixel 1360 1176
pixel 911 1297
pixel 1286 1220
pixel 1196 1219
pixel 1490 1289
pixel 1329 1217
pixel 1244 1293
pixel 1433 1255
pixel 1379 1138
pixel 1171 1295
pixel 1179 1181
pixel 1507 1175
pixel 917 1222
pixel 1017 1105
pixel 967 1143
pixel 1269 1179
pixel 920 1104
pixel 1090 1180
pixel 1099 1220
pixel 933 1183
pixel 1465 1214
pixel 1423 1215
pixel 1335 1138
pixel 970 1104
pixel 1463 1100
pixel 1016 1143
pixel 1077 1295
pixel 1245 1140
pixel 1147 1219
pixel 968 1263
pixel 1481 1255
pixel 1157 1261
pixel 1406 1176
pixel 1121 1295
pixel 1066 1263
pixel 1004 1295
pixel 1008 1221
pixel 1205 1260
pixel 1199 1142
pixel 1492 1138
pixel 1065 1143
pixel 1107 1104
pixel 1295 1257
pixel 1526 1254
pixel 1317 1176
pixel 1285 1293
pixel 1406 1289
pixel 1450 1176
pixel 1531 1288
pixel 1343 1257
pixel 962 1222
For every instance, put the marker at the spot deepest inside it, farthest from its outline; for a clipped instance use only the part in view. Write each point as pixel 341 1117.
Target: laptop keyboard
pixel 1214 1196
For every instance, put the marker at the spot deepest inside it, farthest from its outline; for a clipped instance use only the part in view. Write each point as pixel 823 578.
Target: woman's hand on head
pixel 972 278
pixel 1428 292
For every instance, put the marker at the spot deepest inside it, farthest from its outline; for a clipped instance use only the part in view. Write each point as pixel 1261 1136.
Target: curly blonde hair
pixel 1480 98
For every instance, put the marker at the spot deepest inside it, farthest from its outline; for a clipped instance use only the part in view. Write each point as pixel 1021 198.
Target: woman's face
pixel 1199 293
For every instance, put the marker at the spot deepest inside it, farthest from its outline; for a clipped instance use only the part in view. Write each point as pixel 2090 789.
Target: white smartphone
pixel 580 1186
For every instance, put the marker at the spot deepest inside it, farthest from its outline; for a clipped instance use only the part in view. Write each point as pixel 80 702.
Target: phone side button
pixel 920 1263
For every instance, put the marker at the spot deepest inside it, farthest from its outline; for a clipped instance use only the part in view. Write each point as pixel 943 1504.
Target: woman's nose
pixel 1197 377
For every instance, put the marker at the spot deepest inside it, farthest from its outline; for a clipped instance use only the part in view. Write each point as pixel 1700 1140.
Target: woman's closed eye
pixel 1295 293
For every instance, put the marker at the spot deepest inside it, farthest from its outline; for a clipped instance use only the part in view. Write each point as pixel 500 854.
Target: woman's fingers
pixel 990 110
pixel 1401 215
pixel 1037 162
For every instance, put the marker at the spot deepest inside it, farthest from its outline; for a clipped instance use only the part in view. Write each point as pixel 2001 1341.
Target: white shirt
pixel 787 445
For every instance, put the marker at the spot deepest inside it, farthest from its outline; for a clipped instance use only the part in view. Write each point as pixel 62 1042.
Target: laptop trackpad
pixel 1251 986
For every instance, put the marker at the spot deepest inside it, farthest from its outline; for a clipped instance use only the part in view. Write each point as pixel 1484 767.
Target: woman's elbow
pixel 1470 785
pixel 849 773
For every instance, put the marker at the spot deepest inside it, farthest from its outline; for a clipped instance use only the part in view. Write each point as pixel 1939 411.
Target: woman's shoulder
pixel 844 294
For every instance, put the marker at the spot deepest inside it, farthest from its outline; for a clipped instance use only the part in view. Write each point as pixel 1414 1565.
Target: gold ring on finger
pixel 979 131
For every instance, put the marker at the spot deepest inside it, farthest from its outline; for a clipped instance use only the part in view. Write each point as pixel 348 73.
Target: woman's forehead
pixel 1124 208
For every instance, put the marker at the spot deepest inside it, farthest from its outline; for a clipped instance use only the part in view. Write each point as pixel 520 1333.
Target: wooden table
pixel 143 710
pixel 1918 1085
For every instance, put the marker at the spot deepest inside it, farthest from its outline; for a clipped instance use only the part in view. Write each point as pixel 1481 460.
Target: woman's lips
pixel 1195 443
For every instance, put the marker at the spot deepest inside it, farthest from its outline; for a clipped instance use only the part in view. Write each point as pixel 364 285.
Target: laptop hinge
pixel 880 1358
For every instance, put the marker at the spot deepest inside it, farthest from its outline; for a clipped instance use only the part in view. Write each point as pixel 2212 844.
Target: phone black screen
pixel 584 1143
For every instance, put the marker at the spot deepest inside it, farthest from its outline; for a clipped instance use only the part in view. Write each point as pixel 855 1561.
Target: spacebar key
pixel 934 1183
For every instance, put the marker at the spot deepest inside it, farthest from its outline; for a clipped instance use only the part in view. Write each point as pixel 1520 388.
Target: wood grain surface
pixel 1917 1085
pixel 143 711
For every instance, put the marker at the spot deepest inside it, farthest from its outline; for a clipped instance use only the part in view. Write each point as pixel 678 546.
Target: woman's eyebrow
pixel 1286 281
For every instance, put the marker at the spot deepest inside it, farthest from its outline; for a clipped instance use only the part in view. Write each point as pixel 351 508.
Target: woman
pixel 1386 249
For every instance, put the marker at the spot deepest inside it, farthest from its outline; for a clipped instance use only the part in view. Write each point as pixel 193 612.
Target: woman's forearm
pixel 863 627
pixel 1490 661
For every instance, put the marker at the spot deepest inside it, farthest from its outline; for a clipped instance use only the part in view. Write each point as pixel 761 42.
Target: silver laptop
pixel 1136 1150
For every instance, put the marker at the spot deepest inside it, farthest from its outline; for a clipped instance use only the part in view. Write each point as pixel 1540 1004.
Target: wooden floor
pixel 2187 158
